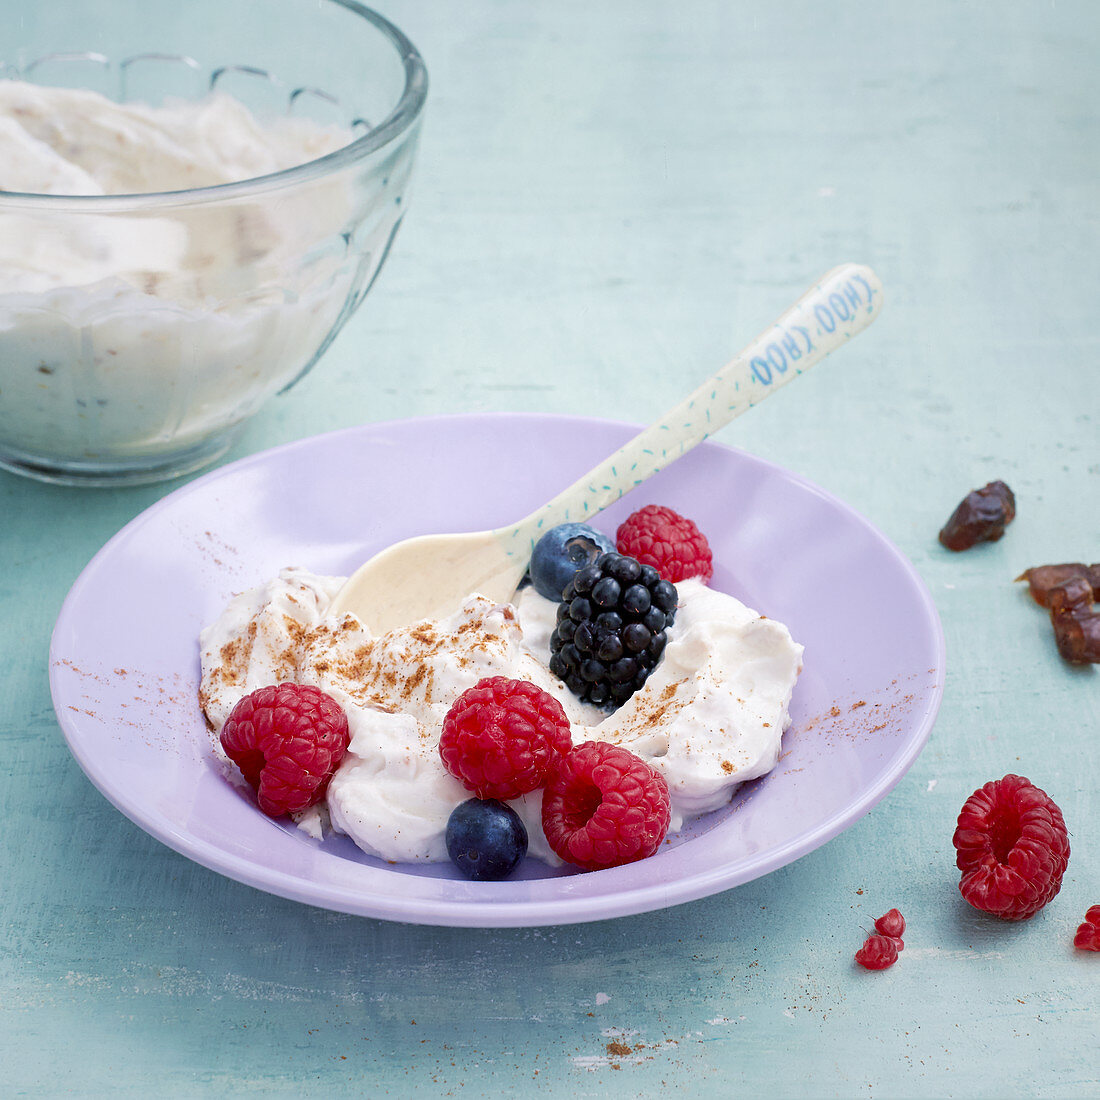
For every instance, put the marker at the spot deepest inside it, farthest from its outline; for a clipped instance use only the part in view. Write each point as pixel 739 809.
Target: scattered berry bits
pixel 1012 848
pixel 891 924
pixel 603 806
pixel 500 736
pixel 485 839
pixel 981 516
pixel 881 948
pixel 287 740
pixel 877 953
pixel 1088 933
pixel 671 543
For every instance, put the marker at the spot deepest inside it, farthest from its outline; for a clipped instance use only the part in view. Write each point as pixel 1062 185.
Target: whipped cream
pixel 127 332
pixel 710 716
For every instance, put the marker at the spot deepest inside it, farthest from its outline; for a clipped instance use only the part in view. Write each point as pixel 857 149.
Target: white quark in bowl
pixel 709 718
pixel 183 232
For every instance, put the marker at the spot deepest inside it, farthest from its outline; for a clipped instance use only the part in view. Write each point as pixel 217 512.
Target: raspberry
pixel 671 543
pixel 604 806
pixel 891 924
pixel 500 736
pixel 1012 848
pixel 1088 933
pixel 877 953
pixel 287 740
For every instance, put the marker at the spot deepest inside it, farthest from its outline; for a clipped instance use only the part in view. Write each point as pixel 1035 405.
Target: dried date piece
pixel 1042 579
pixel 1076 625
pixel 1077 635
pixel 1070 590
pixel 980 517
pixel 1072 597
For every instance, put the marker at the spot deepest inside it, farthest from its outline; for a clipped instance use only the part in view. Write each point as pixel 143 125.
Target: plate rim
pixel 491 913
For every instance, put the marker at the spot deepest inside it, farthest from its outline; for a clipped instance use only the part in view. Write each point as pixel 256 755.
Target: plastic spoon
pixel 430 575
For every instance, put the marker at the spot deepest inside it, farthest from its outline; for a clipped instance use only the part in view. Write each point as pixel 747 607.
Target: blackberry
pixel 611 628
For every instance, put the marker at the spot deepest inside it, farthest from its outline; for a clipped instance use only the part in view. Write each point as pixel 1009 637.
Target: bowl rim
pixel 396 124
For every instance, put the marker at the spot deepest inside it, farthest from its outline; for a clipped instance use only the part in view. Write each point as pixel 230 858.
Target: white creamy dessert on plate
pixel 710 716
pixel 125 328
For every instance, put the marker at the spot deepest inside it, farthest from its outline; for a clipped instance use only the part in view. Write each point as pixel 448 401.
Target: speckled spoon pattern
pixel 428 576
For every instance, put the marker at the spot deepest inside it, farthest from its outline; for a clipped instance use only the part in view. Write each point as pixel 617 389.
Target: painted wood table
pixel 610 199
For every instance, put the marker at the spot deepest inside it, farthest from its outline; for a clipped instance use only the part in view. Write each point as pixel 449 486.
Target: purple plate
pixel 124 664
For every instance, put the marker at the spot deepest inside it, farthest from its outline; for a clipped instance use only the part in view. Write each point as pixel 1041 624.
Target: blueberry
pixel 561 552
pixel 485 839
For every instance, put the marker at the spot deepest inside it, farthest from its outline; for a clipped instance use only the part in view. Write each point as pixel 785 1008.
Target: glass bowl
pixel 138 331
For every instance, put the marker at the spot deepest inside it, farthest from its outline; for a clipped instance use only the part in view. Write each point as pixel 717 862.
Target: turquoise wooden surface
pixel 610 200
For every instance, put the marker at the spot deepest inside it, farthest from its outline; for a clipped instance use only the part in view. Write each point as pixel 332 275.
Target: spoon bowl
pixel 430 575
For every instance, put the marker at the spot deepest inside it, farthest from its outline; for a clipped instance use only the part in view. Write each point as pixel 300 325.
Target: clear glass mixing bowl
pixel 137 332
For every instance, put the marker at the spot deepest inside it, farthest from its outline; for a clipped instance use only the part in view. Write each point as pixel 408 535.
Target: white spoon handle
pixel 843 303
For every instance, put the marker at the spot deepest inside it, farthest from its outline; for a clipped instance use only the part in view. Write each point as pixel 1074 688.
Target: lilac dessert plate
pixel 124 659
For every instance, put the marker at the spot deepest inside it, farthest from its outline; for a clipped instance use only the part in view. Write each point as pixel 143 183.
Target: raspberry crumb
pixel 877 953
pixel 891 924
pixel 1088 932
pixel 1012 848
